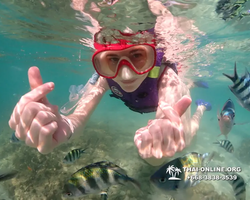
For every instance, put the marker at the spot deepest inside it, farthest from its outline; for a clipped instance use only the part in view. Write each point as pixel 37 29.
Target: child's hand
pixel 35 120
pixel 163 137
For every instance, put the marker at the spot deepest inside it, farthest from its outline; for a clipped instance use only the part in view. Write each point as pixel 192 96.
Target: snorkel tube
pixel 76 93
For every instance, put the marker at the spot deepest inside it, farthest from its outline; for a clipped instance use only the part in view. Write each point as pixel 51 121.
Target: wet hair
pixel 113 36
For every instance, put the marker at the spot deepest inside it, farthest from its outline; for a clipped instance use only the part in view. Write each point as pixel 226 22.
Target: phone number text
pixel 212 177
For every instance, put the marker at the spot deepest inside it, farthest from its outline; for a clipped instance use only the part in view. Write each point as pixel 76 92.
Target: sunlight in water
pixel 201 38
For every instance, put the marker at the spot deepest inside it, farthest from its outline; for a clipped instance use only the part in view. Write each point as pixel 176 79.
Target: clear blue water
pixel 50 38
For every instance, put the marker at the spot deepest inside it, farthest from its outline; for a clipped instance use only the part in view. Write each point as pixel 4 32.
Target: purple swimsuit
pixel 145 98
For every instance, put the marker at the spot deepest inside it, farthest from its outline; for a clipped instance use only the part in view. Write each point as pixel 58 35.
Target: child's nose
pixel 126 73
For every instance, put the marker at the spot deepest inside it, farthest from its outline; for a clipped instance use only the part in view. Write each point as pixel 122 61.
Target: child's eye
pixel 137 55
pixel 114 60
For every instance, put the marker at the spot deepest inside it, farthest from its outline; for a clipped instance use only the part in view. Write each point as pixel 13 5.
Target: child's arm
pixel 88 102
pixel 170 131
pixel 158 9
pixel 171 90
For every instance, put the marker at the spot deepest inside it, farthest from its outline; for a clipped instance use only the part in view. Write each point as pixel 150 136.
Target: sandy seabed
pixel 41 177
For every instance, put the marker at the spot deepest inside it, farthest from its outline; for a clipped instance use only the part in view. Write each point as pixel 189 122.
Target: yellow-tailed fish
pixel 241 87
pixel 226 144
pixel 73 155
pixel 238 184
pixel 226 118
pixel 96 178
pixel 172 175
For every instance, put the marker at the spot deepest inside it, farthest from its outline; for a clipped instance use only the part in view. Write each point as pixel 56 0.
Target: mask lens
pixel 141 58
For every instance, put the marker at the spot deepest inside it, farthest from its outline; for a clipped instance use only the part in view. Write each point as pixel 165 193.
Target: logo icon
pixel 173 171
pixel 116 91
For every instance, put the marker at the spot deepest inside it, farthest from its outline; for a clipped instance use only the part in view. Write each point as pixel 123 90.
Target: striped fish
pixel 241 88
pixel 226 117
pixel 226 144
pixel 96 178
pixel 172 177
pixel 73 155
pixel 6 175
pixel 239 186
pixel 14 139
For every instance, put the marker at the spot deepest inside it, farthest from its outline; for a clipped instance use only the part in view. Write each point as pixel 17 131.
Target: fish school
pixel 212 169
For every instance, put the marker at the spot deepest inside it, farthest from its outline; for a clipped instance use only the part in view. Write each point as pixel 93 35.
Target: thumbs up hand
pixel 35 120
pixel 163 136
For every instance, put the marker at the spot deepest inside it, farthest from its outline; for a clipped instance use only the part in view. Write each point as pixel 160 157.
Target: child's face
pixel 127 67
pixel 128 79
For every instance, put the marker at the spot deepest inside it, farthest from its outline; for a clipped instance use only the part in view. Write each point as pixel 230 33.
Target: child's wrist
pixel 69 128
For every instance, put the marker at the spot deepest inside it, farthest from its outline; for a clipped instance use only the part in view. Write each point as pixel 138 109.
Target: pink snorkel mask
pixel 115 49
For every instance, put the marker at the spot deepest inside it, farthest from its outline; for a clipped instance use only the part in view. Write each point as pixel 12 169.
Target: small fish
pixel 29 168
pixel 241 88
pixel 226 118
pixel 96 178
pixel 6 175
pixel 226 144
pixel 172 176
pixel 239 186
pixel 104 195
pixel 14 139
pixel 73 155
